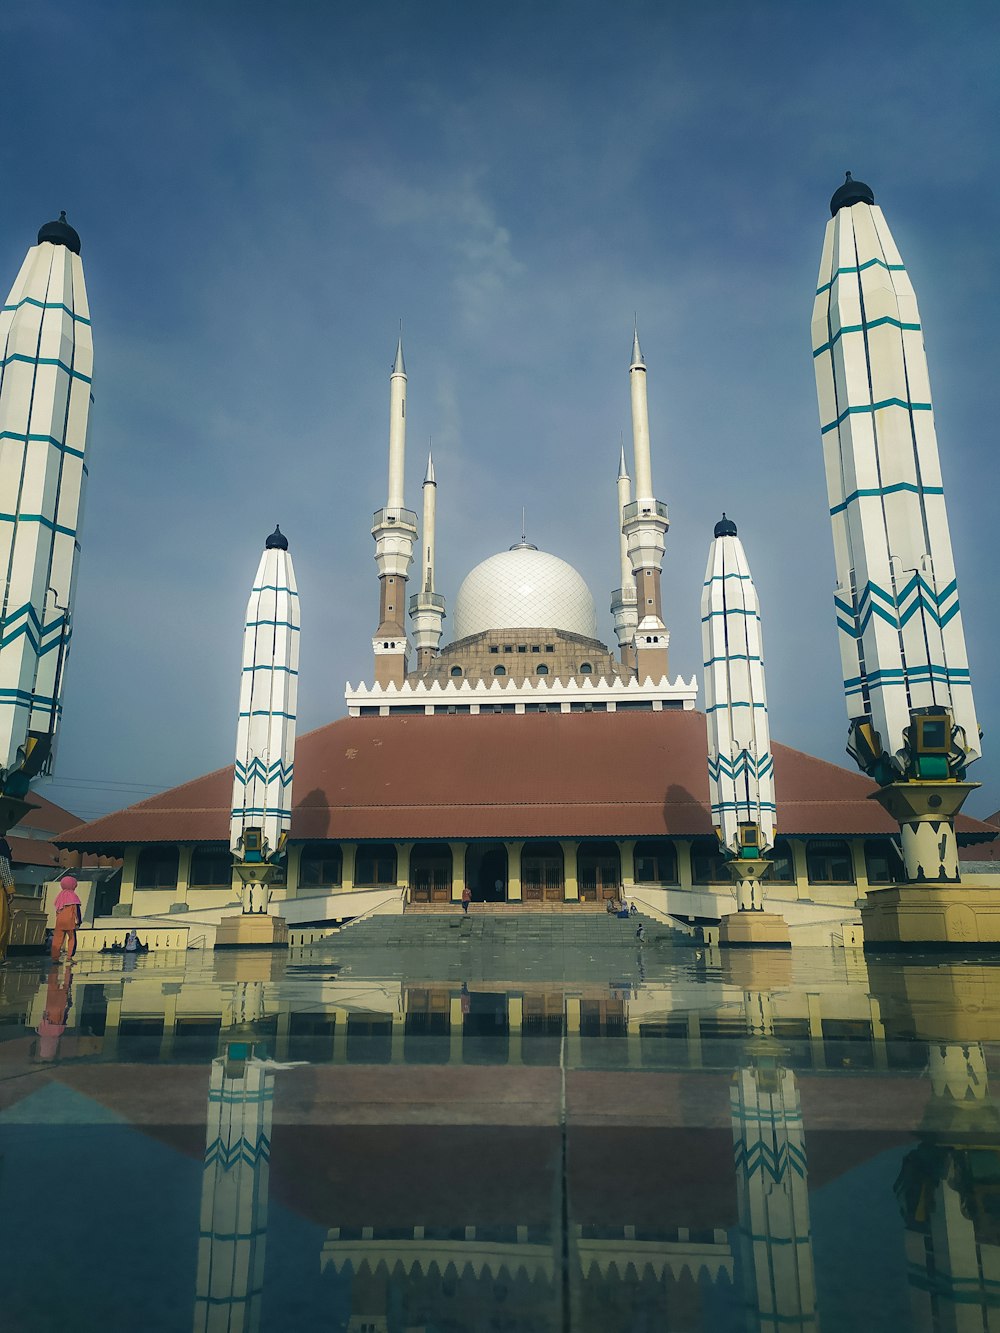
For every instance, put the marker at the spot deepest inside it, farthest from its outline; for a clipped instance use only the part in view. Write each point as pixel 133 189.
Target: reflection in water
pixel 531 1155
pixel 771 1174
pixel 949 1196
pixel 233 1229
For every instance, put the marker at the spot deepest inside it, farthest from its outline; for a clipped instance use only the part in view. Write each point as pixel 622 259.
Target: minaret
pixel 395 530
pixel 772 1182
pixel 912 717
pixel 740 766
pixel 426 606
pixel 645 527
pixel 265 734
pixel 46 376
pixel 232 1235
pixel 624 598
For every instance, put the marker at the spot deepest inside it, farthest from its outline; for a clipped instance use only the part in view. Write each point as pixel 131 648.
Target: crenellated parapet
pixel 549 694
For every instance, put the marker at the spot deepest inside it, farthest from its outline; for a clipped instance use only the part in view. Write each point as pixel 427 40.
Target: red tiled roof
pixel 535 775
pixel 32 852
pixel 47 817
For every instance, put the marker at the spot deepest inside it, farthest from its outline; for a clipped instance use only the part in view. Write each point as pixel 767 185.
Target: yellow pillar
pixel 514 871
pixel 626 850
pixel 455 1030
pixel 571 890
pixel 112 1022
pixel 169 1026
pixel 340 1036
pixel 457 870
pixel 349 855
pixel 293 858
pixel 184 855
pixel 129 863
pixel 800 868
pixel 574 1042
pixel 403 850
pixel 684 863
pixel 814 1010
pixel 282 1030
pixel 396 1056
pixel 694 1040
pixel 515 1011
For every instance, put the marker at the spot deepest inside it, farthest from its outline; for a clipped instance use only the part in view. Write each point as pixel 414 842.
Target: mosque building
pixel 438 778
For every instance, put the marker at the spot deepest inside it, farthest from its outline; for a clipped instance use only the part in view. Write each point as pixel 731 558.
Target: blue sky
pixel 264 191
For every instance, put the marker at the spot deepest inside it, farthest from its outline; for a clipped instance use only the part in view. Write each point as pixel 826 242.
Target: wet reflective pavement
pixel 658 1138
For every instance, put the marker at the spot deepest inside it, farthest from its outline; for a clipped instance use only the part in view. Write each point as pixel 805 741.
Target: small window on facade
pixel 550 647
pixel 783 867
pixel 508 648
pixel 882 861
pixel 522 647
pixel 211 868
pixel 375 864
pixel 586 669
pixel 536 648
pixel 655 862
pixel 456 671
pixel 320 865
pixel 829 861
pixel 499 671
pixel 708 865
pixel 494 648
pixel 156 868
pixel 541 669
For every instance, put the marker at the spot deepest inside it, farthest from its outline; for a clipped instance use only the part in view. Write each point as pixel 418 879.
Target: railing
pixel 155 938
pixel 387 518
pixel 421 599
pixel 644 509
pixel 397 893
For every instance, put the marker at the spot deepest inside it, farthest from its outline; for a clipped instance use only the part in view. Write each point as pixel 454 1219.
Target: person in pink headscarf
pixel 67 917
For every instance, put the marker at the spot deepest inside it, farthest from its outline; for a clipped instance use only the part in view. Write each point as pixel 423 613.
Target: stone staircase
pixel 496 929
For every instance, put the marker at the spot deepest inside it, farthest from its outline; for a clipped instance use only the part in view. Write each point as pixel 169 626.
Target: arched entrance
pixel 430 873
pixel 486 872
pixel 598 871
pixel 542 873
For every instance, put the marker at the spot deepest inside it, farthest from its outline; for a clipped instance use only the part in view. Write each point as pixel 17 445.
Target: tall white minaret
pixel 395 530
pixel 645 526
pixel 624 598
pixel 426 606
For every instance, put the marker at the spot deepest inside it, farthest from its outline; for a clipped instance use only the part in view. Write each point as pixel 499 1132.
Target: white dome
pixel 524 589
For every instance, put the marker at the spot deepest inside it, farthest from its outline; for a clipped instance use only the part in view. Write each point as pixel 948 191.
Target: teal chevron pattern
pixel 25 623
pixel 744 765
pixel 257 770
pixel 868 408
pixel 45 305
pixel 41 439
pixel 886 490
pixel 916 595
pixel 38 518
pixel 860 268
pixel 861 328
pixel 45 361
pixel 774 1162
pixel 229 1155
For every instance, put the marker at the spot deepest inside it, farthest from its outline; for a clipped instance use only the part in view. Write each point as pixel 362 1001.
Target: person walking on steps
pixel 466 899
pixel 640 934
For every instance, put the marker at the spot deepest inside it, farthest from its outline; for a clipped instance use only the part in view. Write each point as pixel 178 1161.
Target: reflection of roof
pixel 590 775
pixel 524 589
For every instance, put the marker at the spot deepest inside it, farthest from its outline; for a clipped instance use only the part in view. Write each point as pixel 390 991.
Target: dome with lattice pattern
pixel 524 588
